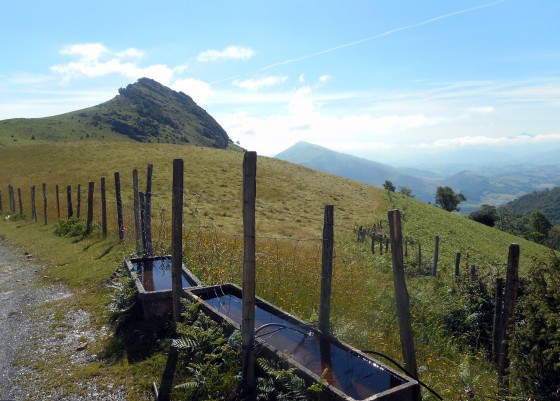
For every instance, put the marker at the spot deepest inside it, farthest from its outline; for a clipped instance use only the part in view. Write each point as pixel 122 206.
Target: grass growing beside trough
pixel 290 202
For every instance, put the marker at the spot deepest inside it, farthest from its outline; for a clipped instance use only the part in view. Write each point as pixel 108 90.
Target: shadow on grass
pixel 107 251
pixel 136 338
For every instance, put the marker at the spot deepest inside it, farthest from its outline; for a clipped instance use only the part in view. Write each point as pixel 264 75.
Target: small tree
pixel 388 186
pixel 541 226
pixel 406 191
pixel 486 215
pixel 447 199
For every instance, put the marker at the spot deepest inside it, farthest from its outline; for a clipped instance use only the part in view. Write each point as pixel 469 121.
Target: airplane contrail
pixel 380 35
pixel 370 38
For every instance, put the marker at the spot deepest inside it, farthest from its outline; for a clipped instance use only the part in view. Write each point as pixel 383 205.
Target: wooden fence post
pixel 57 203
pixel 33 208
pixel 326 270
pixel 69 200
pixel 142 202
pixel 510 297
pixel 78 201
pixel 436 257
pixel 103 208
pixel 473 273
pixel 457 265
pixel 148 212
pixel 120 221
pixel 373 243
pixel 11 197
pixel 45 202
pixel 20 202
pixel 90 207
pixel 136 205
pixel 248 318
pixel 401 295
pixel 497 323
pixel 177 237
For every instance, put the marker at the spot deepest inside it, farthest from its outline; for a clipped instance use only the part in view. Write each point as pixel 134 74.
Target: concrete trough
pixel 352 375
pixel 152 276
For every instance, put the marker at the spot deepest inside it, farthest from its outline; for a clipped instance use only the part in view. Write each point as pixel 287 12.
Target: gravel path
pixel 25 340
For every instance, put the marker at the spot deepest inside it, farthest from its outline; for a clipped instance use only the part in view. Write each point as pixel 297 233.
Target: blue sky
pixel 377 79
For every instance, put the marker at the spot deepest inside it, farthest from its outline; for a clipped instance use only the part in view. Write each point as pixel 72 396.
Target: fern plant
pixel 279 384
pixel 122 301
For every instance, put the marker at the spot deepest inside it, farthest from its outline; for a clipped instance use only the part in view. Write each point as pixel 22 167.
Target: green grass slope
pixel 145 111
pixel 289 215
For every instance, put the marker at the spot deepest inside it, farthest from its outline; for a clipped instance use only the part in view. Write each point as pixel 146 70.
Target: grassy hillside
pixel 290 204
pixel 547 202
pixel 145 111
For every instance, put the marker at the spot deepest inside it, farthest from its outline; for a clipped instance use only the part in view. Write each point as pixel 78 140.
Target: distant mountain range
pixel 145 111
pixel 505 180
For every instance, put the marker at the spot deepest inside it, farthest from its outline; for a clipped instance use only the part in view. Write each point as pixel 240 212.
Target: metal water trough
pixel 152 276
pixel 352 375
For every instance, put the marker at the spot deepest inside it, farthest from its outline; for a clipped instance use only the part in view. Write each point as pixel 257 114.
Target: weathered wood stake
pixel 120 222
pixel 401 294
pixel 136 205
pixel 57 194
pixel 78 201
pixel 510 297
pixel 436 257
pixel 148 212
pixel 457 266
pixel 90 207
pixel 497 323
pixel 45 202
pixel 177 237
pixel 33 208
pixel 103 208
pixel 69 201
pixel 142 201
pixel 248 318
pixel 326 270
pixel 20 202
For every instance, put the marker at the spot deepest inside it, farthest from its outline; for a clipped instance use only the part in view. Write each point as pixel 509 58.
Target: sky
pixel 387 80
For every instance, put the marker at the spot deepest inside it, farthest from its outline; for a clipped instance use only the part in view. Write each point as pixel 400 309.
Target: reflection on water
pixel 352 374
pixel 155 274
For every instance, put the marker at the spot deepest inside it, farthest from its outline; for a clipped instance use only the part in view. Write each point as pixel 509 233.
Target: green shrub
pixel 535 352
pixel 71 227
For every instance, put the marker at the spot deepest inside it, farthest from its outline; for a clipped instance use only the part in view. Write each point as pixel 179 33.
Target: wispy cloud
pixel 229 53
pixel 481 140
pixel 96 60
pixel 254 84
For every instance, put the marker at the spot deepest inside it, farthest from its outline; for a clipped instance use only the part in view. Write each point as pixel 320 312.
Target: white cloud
pixel 481 140
pixel 96 60
pixel 254 84
pixel 201 92
pixel 229 53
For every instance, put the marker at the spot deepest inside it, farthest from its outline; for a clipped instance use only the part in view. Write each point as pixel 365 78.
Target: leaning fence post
pixel 142 202
pixel 177 237
pixel 45 202
pixel 69 200
pixel 90 207
pixel 120 222
pixel 510 296
pixel 497 323
pixel 103 208
pixel 436 257
pixel 148 212
pixel 12 200
pixel 248 318
pixel 136 205
pixel 401 294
